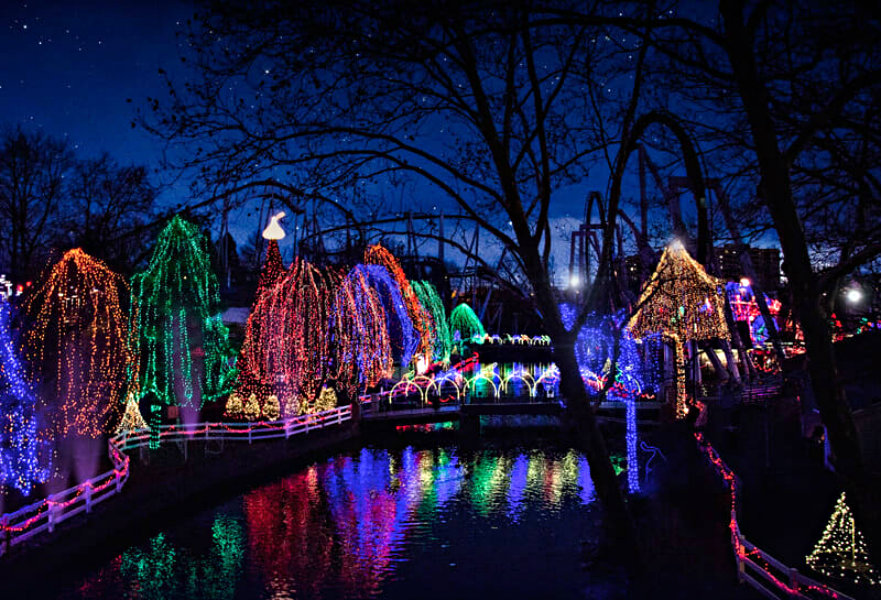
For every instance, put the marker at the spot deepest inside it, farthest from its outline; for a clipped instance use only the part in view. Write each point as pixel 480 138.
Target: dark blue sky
pixel 69 67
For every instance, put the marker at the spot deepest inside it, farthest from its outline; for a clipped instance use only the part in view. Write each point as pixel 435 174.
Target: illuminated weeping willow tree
pixel 359 336
pixel 20 446
pixel 286 350
pixel 431 301
pixel 184 346
pixel 419 316
pixel 403 336
pixel 77 342
pixel 681 302
pixel 465 324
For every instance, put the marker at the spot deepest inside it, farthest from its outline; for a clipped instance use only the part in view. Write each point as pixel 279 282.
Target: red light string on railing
pixel 754 554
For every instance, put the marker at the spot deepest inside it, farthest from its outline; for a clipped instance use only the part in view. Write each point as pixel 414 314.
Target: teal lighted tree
pixel 183 344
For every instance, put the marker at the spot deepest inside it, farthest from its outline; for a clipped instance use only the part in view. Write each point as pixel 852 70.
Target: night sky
pixel 80 69
pixel 68 69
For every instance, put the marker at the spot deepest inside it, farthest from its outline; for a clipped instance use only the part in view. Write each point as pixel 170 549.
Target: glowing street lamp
pixel 854 295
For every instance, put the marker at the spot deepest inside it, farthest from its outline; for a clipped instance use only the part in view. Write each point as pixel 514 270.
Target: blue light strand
pixel 20 447
pixel 402 334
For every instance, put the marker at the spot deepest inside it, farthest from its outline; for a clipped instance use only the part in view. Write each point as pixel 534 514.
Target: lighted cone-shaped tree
pixel 20 447
pixel 273 270
pixel 465 325
pixel 682 302
pixel 421 318
pixel 78 344
pixel 431 301
pixel 841 551
pixel 286 349
pixel 183 343
pixel 132 419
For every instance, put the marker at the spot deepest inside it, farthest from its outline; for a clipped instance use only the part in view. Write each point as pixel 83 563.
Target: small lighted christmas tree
pixel 291 407
pixel 234 407
pixel 252 408
pixel 132 419
pixel 271 408
pixel 841 551
pixel 326 399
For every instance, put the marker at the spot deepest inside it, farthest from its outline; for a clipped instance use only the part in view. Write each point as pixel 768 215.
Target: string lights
pixel 743 304
pixel 465 325
pixel 431 301
pixel 403 336
pixel 286 350
pixel 420 317
pixel 682 302
pixel 132 419
pixel 20 446
pixel 359 335
pixel 77 342
pixel 841 551
pixel 183 342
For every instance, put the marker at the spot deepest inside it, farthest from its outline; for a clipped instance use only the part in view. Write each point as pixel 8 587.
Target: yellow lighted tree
pixel 683 303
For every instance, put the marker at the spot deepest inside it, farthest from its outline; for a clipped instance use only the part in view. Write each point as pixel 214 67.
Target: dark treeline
pixel 52 200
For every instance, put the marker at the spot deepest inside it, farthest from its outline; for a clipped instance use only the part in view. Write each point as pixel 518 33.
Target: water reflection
pixel 356 524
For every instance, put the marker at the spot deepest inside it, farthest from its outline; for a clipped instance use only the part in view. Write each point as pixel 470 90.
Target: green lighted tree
pixel 431 301
pixel 183 345
pixel 464 324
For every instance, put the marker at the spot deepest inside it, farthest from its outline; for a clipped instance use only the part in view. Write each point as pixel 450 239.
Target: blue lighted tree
pixel 19 444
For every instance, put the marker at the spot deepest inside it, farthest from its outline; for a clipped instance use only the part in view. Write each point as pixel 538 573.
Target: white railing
pixel 32 520
pixel 763 572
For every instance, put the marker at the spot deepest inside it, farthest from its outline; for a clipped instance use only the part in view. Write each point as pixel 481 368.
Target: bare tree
pixel 785 97
pixel 33 167
pixel 107 208
pixel 473 103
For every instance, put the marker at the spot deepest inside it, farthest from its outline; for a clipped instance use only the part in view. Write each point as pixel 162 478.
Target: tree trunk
pixel 776 190
pixel 578 407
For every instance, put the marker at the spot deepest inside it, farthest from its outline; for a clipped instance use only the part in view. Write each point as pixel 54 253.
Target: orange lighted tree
pixel 77 343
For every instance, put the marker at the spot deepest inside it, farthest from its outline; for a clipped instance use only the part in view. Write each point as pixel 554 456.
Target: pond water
pixel 385 522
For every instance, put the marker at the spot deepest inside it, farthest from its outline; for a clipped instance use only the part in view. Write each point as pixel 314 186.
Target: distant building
pixel 766 263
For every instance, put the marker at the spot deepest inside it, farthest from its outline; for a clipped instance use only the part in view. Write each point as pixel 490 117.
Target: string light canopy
pixel 841 551
pixel 403 336
pixel 183 343
pixel 78 343
pixel 286 350
pixel 465 324
pixel 421 318
pixel 431 301
pixel 683 303
pixel 361 348
pixel 20 446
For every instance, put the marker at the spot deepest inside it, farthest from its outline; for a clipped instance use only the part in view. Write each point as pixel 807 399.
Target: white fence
pixel 32 520
pixel 760 570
